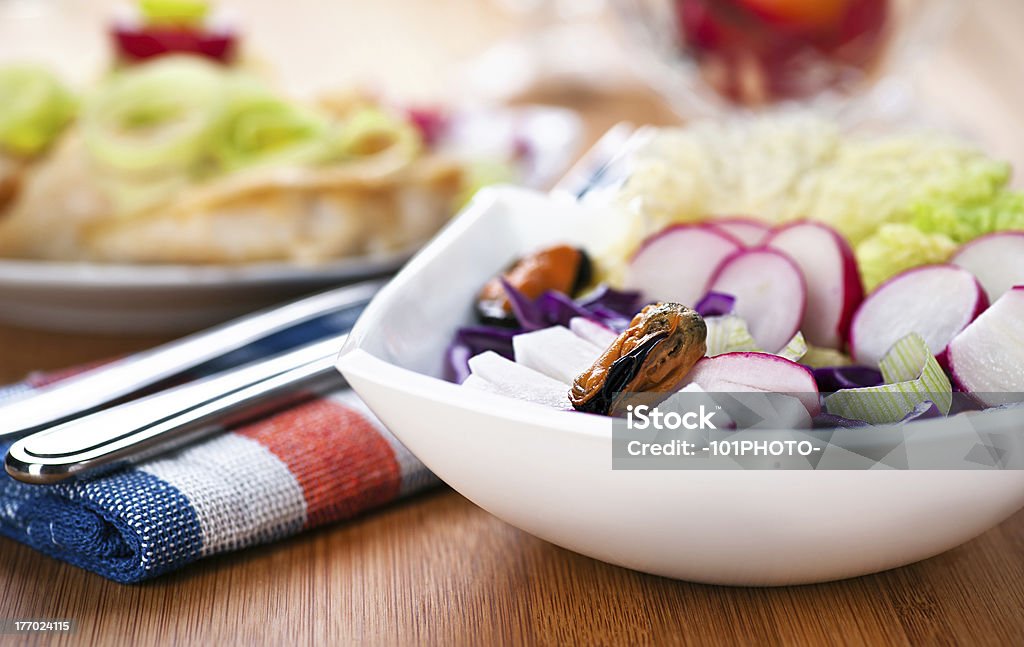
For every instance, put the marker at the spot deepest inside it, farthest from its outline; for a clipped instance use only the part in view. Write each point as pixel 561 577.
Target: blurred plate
pixel 92 297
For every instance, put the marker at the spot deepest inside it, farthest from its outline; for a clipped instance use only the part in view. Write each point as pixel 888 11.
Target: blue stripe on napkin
pixel 127 526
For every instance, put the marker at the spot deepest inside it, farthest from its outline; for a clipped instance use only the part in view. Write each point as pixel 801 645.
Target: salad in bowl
pixel 498 358
pixel 877 280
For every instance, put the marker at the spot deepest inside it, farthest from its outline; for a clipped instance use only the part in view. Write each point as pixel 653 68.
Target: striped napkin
pixel 322 461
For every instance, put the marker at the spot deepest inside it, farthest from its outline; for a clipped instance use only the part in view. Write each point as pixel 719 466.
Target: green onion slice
pixel 260 128
pixel 157 116
pixel 34 109
pixel 912 376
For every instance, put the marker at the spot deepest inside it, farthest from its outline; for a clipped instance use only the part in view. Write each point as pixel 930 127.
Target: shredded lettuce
pixel 871 183
pixel 898 247
pixel 784 169
pixel 817 357
pixel 795 348
pixel 730 334
pixel 967 221
pixel 34 109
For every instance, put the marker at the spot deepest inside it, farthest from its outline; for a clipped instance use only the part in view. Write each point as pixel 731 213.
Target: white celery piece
pixel 556 352
pixel 516 381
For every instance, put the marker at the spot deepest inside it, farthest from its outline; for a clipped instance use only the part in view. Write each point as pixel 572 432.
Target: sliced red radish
pixel 770 294
pixel 676 263
pixel 757 372
pixel 987 359
pixel 516 381
pixel 934 301
pixel 834 288
pixel 595 333
pixel 997 260
pixel 750 232
pixel 555 352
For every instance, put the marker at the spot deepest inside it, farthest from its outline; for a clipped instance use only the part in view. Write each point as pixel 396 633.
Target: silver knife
pixel 143 428
pixel 40 409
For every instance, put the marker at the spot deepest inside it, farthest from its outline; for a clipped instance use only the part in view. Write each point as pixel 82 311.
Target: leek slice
pixel 157 116
pixel 912 376
pixel 371 131
pixel 34 108
pixel 260 128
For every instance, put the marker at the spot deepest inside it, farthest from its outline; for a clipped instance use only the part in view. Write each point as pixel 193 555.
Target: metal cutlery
pixel 161 422
pixel 43 408
pixel 596 168
pixel 74 431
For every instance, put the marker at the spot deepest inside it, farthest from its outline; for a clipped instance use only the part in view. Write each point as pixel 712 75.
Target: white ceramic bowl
pixel 549 472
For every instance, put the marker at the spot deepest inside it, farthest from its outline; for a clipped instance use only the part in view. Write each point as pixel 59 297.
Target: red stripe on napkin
pixel 342 463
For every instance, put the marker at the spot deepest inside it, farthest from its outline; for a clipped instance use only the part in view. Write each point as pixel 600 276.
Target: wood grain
pixel 438 570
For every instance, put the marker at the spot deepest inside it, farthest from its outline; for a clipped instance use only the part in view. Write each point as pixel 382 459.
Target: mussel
pixel 561 268
pixel 652 356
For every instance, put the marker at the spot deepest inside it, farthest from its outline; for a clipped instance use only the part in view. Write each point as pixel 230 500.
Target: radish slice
pixel 997 260
pixel 591 331
pixel 676 263
pixel 555 352
pixel 834 288
pixel 987 359
pixel 516 381
pixel 748 231
pixel 759 372
pixel 912 376
pixel 934 301
pixel 770 294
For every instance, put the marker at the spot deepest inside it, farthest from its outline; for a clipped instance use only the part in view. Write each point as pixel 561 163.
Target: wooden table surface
pixel 438 570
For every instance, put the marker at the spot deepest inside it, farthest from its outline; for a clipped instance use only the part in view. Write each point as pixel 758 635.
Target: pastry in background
pixel 180 155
